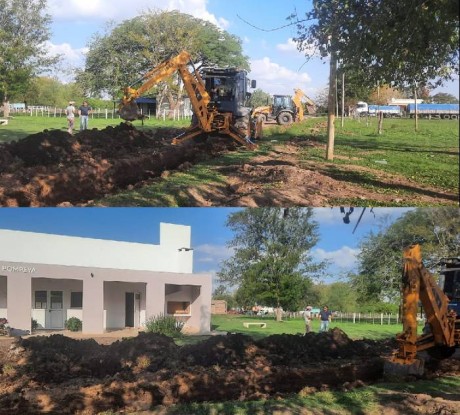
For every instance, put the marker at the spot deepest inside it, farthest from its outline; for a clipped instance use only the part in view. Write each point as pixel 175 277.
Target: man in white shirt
pixel 70 115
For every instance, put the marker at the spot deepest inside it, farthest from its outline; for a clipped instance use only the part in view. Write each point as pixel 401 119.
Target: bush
pixel 166 325
pixel 34 324
pixel 73 324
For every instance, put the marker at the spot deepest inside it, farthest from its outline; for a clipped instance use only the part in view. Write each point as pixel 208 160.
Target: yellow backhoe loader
pixel 441 306
pixel 286 109
pixel 217 97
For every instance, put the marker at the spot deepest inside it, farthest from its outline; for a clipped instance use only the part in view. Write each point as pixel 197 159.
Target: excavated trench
pixel 53 168
pixel 65 375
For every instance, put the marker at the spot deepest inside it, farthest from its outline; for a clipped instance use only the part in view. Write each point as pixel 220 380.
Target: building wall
pixel 104 271
pixel 94 280
pixel 40 248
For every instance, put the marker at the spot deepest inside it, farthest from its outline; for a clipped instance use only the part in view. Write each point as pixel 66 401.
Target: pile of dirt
pixel 52 167
pixel 65 375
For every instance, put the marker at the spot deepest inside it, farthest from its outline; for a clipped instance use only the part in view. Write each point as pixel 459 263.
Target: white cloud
pixel 101 10
pixel 290 46
pixel 344 258
pixel 74 57
pixel 212 253
pixel 277 79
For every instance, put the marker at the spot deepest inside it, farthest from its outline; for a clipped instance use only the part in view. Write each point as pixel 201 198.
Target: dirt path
pixel 54 169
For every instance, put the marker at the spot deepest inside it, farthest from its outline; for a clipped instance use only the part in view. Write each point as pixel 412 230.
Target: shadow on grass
pixel 369 180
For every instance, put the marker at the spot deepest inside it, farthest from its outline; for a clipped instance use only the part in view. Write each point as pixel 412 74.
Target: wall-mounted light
pixel 92 275
pixel 185 249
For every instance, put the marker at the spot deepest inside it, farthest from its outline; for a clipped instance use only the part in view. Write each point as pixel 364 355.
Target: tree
pixel 380 260
pixel 260 98
pixel 24 29
pixel 387 42
pixel 131 49
pixel 272 263
pixel 444 98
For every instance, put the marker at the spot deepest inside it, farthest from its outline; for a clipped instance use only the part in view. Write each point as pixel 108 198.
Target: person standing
pixel 70 115
pixel 307 318
pixel 325 317
pixel 83 113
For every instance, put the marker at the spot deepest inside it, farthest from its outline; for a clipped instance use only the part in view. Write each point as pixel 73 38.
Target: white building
pixel 106 284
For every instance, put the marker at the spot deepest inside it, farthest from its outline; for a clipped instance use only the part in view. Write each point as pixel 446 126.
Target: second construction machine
pixel 218 98
pixel 441 305
pixel 286 109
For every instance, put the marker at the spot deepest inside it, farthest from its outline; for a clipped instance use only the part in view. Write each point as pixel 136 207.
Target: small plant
pixel 34 324
pixel 4 327
pixel 166 325
pixel 73 324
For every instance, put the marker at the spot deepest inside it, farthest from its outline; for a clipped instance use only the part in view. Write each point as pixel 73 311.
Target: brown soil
pixel 68 376
pixel 53 168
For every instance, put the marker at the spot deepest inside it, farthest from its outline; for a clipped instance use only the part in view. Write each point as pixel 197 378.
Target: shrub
pixel 166 325
pixel 4 328
pixel 34 324
pixel 73 324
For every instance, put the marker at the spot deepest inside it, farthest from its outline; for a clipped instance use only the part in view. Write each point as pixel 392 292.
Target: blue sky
pixel 337 243
pixel 276 64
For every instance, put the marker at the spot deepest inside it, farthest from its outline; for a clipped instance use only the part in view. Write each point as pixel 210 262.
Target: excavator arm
pixel 297 99
pixel 209 119
pixel 418 285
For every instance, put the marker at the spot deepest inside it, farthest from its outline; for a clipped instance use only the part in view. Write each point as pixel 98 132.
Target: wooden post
pixel 343 97
pixel 380 115
pixel 331 108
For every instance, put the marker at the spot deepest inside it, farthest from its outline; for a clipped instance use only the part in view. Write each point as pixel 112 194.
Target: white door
pixel 56 310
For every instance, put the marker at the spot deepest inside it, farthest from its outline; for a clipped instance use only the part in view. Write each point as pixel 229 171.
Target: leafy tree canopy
pixel 129 50
pixel 260 98
pixel 388 41
pixel 272 264
pixel 444 98
pixel 437 230
pixel 24 29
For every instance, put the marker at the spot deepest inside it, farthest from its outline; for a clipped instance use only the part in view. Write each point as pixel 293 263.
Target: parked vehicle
pixel 363 109
pixel 443 111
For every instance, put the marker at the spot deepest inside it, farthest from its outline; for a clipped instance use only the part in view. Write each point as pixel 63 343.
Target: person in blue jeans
pixel 83 113
pixel 325 317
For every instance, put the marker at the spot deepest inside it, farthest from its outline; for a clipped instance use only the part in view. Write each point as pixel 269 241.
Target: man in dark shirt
pixel 325 317
pixel 83 112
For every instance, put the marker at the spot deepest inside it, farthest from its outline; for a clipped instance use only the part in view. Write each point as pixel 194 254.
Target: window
pixel 40 299
pixel 179 307
pixel 76 299
pixel 56 300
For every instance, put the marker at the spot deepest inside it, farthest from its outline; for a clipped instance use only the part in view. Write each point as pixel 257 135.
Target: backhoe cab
pixel 441 335
pixel 218 98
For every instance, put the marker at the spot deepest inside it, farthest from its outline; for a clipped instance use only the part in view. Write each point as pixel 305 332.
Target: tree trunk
pixel 6 108
pixel 278 314
pixel 331 109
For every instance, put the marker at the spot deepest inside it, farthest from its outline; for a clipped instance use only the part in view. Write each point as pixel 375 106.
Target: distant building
pixel 106 284
pixel 218 307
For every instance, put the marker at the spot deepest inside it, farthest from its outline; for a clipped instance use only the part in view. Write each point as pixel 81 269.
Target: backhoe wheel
pixel 441 352
pixel 284 118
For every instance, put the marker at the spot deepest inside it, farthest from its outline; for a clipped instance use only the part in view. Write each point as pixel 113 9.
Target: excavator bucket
pixel 400 369
pixel 129 111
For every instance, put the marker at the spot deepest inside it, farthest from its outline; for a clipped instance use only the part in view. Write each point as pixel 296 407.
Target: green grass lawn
pixel 429 156
pixel 234 324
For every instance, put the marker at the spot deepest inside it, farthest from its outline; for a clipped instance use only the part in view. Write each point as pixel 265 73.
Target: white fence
pixel 41 111
pixel 355 318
